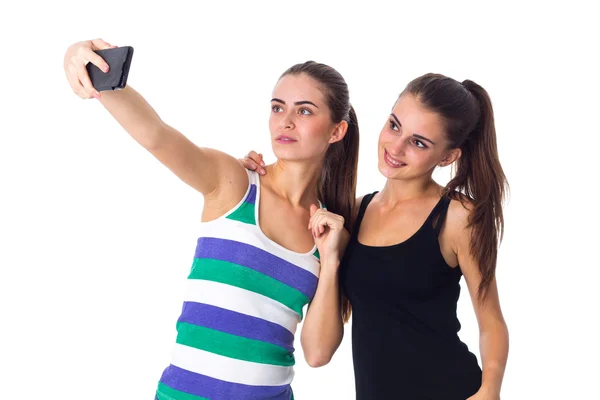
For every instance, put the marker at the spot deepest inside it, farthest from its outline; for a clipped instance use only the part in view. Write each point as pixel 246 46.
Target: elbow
pixel 317 359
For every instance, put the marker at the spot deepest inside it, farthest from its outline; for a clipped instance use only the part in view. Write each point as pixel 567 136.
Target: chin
pixel 287 154
pixel 386 171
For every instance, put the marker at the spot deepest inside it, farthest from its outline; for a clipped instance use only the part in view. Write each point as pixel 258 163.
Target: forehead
pixel 292 88
pixel 415 118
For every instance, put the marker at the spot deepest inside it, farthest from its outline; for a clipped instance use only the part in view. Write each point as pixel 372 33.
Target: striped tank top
pixel 244 299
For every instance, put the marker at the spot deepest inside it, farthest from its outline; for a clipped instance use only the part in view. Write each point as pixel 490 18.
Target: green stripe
pixel 249 279
pixel 245 214
pixel 232 346
pixel 172 394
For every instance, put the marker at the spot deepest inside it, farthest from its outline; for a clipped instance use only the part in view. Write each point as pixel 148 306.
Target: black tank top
pixel 405 340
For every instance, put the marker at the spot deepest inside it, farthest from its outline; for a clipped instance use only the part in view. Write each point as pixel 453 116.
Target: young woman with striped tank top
pixel 413 240
pixel 252 275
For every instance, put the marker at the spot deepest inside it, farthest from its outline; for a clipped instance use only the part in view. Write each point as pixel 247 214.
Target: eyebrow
pixel 414 134
pixel 298 103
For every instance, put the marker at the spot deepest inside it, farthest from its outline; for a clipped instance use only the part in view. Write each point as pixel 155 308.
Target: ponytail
pixel 337 183
pixel 479 175
pixel 466 111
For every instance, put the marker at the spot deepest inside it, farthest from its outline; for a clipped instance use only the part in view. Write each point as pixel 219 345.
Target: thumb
pixel 313 209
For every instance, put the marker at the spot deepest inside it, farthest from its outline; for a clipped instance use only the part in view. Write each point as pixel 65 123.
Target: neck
pixel 397 191
pixel 295 182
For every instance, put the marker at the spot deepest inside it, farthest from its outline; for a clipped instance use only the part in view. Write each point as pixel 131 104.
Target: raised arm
pixel 206 170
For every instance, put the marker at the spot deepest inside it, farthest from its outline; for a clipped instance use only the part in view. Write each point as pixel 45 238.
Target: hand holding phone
pixel 119 61
pixel 86 61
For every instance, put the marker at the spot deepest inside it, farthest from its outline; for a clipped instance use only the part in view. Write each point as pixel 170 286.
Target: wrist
pixel 329 268
pixel 489 390
pixel 330 263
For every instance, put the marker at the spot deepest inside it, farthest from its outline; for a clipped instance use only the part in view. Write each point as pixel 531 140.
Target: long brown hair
pixel 466 112
pixel 337 182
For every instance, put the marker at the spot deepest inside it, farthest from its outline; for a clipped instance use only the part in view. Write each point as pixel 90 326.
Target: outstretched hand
pixel 76 58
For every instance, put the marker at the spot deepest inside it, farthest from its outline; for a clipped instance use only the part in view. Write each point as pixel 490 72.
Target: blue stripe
pixel 258 260
pixel 235 323
pixel 251 198
pixel 216 389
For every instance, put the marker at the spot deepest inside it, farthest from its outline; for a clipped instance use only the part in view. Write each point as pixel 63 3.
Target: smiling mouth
pixel 392 162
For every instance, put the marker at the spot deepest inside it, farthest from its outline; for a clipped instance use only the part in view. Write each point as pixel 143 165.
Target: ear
pixel 339 132
pixel 451 156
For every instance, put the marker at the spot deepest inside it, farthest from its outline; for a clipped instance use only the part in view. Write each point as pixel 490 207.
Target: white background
pixel 97 237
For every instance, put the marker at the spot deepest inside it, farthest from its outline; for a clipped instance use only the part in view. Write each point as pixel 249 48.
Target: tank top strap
pixel 361 213
pixel 438 215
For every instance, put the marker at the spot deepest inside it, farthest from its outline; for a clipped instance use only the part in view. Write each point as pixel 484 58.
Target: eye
pixel 419 144
pixel 393 125
pixel 276 108
pixel 305 111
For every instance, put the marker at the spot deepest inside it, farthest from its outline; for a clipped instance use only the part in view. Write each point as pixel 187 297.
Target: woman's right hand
pixel 254 162
pixel 77 57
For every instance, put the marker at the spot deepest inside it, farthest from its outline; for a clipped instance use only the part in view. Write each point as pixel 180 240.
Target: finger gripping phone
pixel 119 61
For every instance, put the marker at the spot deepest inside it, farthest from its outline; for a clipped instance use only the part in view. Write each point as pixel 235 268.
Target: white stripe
pixel 230 369
pixel 240 232
pixel 242 301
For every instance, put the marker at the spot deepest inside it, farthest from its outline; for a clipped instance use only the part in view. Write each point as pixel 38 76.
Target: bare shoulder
pixel 457 221
pixel 232 174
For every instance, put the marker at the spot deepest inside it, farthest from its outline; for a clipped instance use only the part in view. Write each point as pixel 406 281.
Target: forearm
pixel 135 115
pixel 493 344
pixel 323 327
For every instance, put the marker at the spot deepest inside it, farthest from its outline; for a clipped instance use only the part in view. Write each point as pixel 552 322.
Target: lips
pixel 285 139
pixel 392 162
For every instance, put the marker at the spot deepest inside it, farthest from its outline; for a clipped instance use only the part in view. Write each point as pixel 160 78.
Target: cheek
pixel 383 137
pixel 316 129
pixel 423 158
pixel 273 123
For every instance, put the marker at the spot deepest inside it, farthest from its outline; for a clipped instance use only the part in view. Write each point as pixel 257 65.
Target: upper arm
pixel 206 170
pixel 487 311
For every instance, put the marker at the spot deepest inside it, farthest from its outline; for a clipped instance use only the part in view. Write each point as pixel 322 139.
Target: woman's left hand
pixel 330 235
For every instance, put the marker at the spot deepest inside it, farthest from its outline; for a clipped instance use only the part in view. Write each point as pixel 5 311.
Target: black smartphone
pixel 119 61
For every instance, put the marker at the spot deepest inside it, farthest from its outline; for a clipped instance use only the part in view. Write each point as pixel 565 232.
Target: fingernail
pixel 262 163
pixel 262 171
pixel 105 69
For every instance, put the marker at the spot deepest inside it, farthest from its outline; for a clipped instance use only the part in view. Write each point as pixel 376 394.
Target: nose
pixel 397 146
pixel 287 122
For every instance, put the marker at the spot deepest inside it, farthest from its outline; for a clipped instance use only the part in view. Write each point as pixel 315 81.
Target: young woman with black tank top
pixel 412 241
